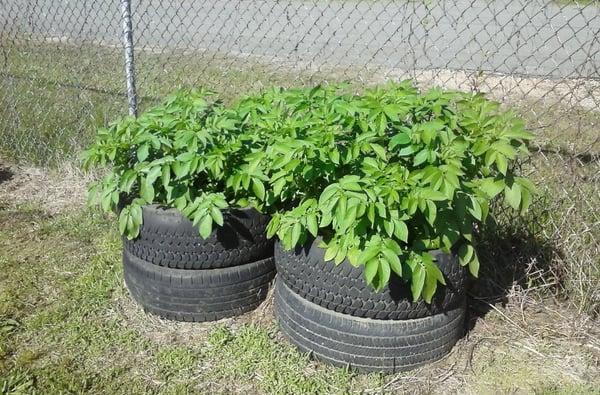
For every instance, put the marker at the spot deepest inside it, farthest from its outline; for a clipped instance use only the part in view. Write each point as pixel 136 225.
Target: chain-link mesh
pixel 62 75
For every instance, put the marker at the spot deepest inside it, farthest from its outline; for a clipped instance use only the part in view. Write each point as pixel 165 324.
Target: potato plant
pixel 382 177
pixel 178 154
pixel 388 175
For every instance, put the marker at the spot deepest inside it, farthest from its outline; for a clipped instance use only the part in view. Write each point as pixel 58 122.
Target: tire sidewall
pixel 343 288
pixel 168 238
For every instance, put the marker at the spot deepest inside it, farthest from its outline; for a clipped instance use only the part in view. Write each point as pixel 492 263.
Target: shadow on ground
pixel 6 174
pixel 514 258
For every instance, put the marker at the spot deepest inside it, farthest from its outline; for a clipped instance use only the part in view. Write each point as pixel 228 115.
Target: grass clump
pixel 271 365
pixel 62 330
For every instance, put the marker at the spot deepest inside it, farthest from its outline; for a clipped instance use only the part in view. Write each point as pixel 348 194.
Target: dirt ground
pixel 524 341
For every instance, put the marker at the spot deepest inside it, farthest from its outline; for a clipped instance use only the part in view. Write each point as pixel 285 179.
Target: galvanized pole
pixel 129 60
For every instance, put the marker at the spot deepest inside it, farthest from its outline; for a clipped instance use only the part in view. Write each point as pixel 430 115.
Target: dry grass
pixel 76 328
pixel 56 190
pixel 532 312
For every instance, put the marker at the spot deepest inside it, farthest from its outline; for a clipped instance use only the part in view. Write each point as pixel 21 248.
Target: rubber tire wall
pixel 169 239
pixel 342 288
pixel 365 344
pixel 197 295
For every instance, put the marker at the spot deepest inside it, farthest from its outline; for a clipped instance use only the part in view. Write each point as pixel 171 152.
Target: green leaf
pixel 526 184
pixel 409 150
pixel 327 194
pixel 379 151
pixel 368 254
pixel 334 155
pixel 399 139
pixel 421 157
pixel 389 227
pixel 181 169
pixel 353 254
pixel 431 212
pixel 143 152
pixel 401 231
pixel 123 217
pixel 273 226
pixel 135 212
pixel 146 191
pixel 312 226
pixel 331 252
pixel 132 230
pixel 127 180
pixel 490 157
pixel 513 195
pixel 278 186
pixel 206 226
pixel 501 163
pixel 296 234
pixel 518 132
pixel 391 245
pixel 430 284
pixel 474 265
pixel 434 195
pixel 326 219
pixel 340 256
pixel 106 202
pixel 475 209
pixel 371 268
pixel 505 149
pixel 491 187
pixel 525 200
pixel 153 174
pixel 393 260
pixel 258 188
pixel 465 254
pixel 418 281
pixel 166 175
pixel 216 215
pixel 383 274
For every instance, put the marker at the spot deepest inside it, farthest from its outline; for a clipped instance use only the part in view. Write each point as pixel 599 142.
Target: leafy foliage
pixel 179 154
pixel 388 175
pixel 381 177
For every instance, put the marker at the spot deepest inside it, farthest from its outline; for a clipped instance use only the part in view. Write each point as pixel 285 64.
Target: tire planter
pixel 169 239
pixel 342 288
pixel 197 295
pixel 174 273
pixel 330 311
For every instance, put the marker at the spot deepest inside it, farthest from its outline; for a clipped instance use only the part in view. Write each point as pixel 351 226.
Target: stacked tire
pixel 174 273
pixel 330 311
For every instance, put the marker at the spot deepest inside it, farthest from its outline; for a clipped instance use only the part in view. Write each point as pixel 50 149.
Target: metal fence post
pixel 129 58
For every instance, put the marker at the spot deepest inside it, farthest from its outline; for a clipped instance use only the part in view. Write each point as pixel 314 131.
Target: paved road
pixel 530 37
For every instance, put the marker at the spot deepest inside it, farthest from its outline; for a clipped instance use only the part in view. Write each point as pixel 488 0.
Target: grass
pixel 578 3
pixel 61 332
pixel 49 114
pixel 67 325
pixel 48 117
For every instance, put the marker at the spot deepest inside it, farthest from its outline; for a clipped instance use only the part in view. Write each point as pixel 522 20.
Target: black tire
pixel 342 287
pixel 169 239
pixel 365 344
pixel 197 295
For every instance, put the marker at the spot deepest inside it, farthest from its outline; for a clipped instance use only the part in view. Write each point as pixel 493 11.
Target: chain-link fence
pixel 63 75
